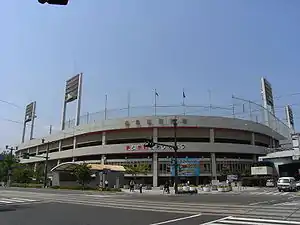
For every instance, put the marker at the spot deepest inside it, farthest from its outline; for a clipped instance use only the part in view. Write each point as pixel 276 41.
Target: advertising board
pixel 187 167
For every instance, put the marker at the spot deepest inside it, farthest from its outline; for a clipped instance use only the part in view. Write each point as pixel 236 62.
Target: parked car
pixel 270 183
pixel 286 184
pixel 298 185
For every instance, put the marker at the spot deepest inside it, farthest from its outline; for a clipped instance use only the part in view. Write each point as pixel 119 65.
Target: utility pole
pixel 46 164
pixel 174 121
pixel 9 172
pixel 151 144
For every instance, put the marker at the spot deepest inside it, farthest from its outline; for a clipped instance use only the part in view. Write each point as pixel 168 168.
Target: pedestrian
pixel 167 187
pixel 106 183
pixel 131 186
pixel 141 188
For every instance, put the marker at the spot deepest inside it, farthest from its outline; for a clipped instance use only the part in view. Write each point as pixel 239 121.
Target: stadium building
pixel 215 137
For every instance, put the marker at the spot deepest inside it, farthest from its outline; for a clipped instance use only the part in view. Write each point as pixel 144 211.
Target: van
pixel 286 184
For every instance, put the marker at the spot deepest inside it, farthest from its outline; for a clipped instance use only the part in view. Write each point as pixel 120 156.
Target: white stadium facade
pixel 216 137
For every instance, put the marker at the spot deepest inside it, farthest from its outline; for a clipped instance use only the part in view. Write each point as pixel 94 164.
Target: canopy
pixel 70 166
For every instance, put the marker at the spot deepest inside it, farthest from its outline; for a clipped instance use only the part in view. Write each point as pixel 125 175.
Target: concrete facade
pixel 198 136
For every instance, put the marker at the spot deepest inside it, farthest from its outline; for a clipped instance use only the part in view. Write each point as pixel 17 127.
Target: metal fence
pixel 241 109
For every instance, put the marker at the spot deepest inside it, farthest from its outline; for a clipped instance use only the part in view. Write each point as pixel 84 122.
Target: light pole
pixel 46 164
pixel 9 172
pixel 151 144
pixel 174 121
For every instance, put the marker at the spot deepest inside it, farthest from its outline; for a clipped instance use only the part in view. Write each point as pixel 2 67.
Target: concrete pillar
pixel 211 135
pixel 104 138
pixel 155 169
pixel 74 142
pixel 103 158
pixel 213 165
pixel 155 160
pixel 37 150
pixel 254 158
pixel 35 167
pixel 59 145
pixel 155 134
pixel 252 139
pixel 74 148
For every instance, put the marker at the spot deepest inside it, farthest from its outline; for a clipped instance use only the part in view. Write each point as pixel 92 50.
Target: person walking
pixel 141 188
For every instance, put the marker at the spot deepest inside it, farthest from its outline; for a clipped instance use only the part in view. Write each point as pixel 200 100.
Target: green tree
pixel 38 174
pixel 7 162
pixel 22 173
pixel 83 174
pixel 135 169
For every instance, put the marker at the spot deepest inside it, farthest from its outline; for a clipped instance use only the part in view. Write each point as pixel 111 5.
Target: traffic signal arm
pixel 54 2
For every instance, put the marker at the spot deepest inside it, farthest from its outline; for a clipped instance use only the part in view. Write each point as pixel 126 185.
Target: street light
pixel 46 163
pixel 54 2
pixel 151 144
pixel 9 172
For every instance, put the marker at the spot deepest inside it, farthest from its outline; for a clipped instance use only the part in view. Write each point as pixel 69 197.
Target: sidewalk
pixel 158 191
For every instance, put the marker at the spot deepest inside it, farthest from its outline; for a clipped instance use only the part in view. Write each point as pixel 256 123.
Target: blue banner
pixel 187 167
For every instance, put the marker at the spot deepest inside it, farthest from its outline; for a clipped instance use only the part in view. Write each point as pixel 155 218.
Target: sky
pixel 204 46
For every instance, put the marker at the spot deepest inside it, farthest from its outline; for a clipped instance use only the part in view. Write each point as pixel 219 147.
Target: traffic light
pixel 25 155
pixel 54 2
pixel 149 144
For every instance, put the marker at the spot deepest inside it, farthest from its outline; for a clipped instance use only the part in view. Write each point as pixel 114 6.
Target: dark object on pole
pixel 9 172
pixel 46 164
pixel 54 2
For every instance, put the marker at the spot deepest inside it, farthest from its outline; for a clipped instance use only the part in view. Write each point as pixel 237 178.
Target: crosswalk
pixel 289 203
pixel 256 192
pixel 272 192
pixel 249 221
pixel 8 201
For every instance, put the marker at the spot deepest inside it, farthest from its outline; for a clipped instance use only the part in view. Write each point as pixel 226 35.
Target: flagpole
pixel 209 100
pixel 183 101
pixel 128 103
pixel 105 108
pixel 183 97
pixel 155 95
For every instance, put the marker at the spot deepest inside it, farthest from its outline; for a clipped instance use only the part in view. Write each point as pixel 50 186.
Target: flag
pixel 156 94
pixel 183 94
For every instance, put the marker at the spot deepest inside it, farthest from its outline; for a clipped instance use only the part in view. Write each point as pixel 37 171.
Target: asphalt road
pixel 227 198
pixel 70 214
pixel 220 198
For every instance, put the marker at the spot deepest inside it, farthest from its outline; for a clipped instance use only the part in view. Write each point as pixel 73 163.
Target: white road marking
pixel 263 220
pixel 215 221
pixel 258 203
pixel 12 200
pixel 178 219
pixel 6 202
pixel 24 199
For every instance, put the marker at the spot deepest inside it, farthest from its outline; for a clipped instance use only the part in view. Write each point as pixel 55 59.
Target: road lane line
pixel 178 219
pixel 257 203
pixel 6 202
pixel 264 220
pixel 216 221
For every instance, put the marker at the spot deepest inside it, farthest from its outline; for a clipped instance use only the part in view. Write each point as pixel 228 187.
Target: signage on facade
pixel 187 167
pixel 155 148
pixel 261 170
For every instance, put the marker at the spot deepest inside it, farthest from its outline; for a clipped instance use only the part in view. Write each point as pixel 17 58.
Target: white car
pixel 298 185
pixel 270 183
pixel 286 184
